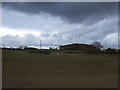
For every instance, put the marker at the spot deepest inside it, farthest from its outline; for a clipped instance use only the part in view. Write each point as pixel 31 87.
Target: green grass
pixel 22 70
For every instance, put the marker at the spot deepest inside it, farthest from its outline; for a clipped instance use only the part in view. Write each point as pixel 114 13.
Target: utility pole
pixel 40 44
pixel 3 44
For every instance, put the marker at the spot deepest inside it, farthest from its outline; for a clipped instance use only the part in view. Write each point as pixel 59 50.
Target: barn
pixel 77 46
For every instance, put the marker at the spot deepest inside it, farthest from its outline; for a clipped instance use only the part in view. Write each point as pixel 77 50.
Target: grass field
pixel 22 70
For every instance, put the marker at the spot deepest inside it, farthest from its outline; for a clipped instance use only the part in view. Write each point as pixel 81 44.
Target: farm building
pixel 81 47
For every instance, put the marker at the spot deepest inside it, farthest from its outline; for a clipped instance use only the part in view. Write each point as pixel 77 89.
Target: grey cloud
pixel 101 20
pixel 101 31
pixel 73 12
pixel 18 20
pixel 27 40
pixel 31 40
pixel 9 40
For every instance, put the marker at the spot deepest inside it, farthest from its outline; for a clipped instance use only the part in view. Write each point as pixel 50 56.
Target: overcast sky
pixel 58 23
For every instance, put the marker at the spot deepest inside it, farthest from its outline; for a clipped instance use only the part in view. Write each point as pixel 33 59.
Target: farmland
pixel 23 70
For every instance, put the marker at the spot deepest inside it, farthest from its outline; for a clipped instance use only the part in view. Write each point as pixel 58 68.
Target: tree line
pixel 97 45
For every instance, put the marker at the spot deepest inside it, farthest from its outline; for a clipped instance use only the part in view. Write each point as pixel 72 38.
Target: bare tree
pixel 97 44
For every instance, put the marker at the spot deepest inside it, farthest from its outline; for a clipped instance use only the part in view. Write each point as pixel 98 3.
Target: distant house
pixel 22 47
pixel 76 46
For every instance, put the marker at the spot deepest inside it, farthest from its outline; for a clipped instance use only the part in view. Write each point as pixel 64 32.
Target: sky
pixel 59 23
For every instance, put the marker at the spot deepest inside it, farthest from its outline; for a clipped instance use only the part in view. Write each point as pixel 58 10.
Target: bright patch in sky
pixel 8 31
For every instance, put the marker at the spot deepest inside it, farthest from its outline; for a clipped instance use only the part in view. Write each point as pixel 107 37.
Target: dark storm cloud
pixel 88 22
pixel 88 12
